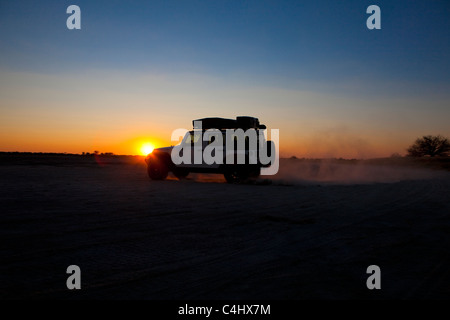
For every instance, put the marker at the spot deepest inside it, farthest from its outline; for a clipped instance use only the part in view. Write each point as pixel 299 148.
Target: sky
pixel 137 70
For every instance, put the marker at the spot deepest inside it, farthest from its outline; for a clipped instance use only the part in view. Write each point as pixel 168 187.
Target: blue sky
pixel 320 50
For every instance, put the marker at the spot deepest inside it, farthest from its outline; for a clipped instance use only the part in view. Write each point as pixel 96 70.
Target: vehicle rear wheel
pixel 235 174
pixel 157 170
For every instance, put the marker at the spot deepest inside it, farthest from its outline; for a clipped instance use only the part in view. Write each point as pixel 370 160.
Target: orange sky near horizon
pixel 339 146
pixel 64 113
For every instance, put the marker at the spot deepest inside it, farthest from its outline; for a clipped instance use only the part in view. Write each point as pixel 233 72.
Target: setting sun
pixel 146 148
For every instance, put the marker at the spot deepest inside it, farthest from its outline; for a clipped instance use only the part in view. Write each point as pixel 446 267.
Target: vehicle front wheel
pixel 180 173
pixel 157 170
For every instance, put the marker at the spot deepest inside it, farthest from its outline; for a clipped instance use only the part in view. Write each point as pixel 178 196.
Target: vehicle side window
pixel 192 138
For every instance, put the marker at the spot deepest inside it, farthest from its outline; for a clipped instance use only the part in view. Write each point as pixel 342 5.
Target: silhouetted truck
pixel 235 148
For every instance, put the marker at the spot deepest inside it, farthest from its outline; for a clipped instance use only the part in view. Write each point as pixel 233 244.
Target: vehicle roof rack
pixel 241 122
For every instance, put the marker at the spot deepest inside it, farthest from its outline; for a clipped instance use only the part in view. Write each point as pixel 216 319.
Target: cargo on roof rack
pixel 243 122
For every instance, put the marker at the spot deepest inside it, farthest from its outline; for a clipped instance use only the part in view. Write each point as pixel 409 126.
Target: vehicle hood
pixel 164 149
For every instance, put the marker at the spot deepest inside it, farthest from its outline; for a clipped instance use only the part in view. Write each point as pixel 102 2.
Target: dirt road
pixel 204 239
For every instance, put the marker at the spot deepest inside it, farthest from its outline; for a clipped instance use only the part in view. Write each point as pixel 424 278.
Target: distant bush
pixel 396 155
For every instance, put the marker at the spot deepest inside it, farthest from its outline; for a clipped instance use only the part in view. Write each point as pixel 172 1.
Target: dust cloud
pixel 304 171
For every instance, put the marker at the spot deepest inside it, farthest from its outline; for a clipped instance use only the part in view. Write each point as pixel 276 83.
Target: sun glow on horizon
pixel 147 148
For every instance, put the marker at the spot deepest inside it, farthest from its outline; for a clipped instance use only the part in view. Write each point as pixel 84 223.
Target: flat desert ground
pixel 309 232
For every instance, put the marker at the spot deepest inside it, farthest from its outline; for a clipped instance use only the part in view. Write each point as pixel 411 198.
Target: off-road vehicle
pixel 160 161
